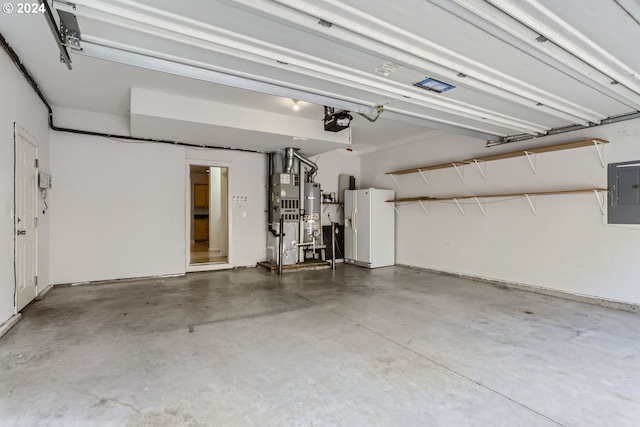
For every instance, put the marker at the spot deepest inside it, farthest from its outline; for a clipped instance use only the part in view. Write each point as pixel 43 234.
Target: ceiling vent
pixel 434 85
pixel 387 68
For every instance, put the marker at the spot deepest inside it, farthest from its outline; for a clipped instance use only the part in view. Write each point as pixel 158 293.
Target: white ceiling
pixel 507 82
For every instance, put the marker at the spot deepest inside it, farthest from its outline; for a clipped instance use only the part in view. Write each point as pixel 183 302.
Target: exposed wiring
pixel 44 200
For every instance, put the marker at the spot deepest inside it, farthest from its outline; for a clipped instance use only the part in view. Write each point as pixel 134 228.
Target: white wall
pixel 330 165
pixel 246 178
pixel 19 103
pixel 568 246
pixel 120 207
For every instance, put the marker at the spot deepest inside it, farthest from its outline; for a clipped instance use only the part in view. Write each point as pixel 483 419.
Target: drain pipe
pixel 281 246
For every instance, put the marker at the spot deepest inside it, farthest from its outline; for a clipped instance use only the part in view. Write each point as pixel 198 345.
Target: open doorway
pixel 209 215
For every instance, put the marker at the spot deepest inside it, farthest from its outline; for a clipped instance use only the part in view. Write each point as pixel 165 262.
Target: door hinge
pixel 35 281
pixel 36 163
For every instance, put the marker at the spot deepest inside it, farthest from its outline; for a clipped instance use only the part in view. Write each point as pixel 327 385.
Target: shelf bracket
pixel 532 163
pixel 483 170
pixel 460 174
pixel 532 204
pixel 424 208
pixel 600 150
pixel 394 179
pixel 423 176
pixel 459 206
pixel 602 203
pixel 480 206
pixel 396 209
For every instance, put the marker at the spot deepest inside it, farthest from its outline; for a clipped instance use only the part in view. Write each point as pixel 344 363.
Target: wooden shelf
pixel 520 153
pixel 486 196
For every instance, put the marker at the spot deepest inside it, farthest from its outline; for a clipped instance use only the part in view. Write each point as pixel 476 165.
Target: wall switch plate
pixel 44 181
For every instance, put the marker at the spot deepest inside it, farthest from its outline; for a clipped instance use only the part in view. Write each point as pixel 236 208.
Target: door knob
pixel 22 232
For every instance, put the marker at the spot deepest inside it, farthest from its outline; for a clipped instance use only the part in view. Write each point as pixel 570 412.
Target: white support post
pixel 533 208
pixel 424 208
pixel 602 203
pixel 533 162
pixel 600 150
pixel 394 180
pixel 423 176
pixel 480 206
pixel 460 174
pixel 483 171
pixel 459 206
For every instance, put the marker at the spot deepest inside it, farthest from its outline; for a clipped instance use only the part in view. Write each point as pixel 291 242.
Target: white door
pixel 26 239
pixel 363 226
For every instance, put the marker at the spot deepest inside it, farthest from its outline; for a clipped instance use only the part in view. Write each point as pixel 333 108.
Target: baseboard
pixel 124 279
pixel 6 326
pixel 588 299
pixel 44 292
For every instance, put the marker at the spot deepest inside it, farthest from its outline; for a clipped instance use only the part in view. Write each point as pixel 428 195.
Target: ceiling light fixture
pixel 296 106
pixel 434 85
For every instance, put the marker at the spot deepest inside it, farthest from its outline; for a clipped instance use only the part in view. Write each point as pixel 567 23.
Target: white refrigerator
pixel 369 227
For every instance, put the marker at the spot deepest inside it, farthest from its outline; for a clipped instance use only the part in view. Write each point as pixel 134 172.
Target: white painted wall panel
pixel 119 209
pixel 18 103
pixel 568 246
pixel 330 165
pixel 247 178
pixel 121 206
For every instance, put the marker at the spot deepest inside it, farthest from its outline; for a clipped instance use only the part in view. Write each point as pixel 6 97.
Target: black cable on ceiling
pixel 25 73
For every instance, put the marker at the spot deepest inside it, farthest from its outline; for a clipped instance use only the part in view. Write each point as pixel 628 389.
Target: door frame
pixel 19 131
pixel 187 205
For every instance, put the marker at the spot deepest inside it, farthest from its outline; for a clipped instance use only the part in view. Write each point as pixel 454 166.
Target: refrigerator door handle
pixel 353 221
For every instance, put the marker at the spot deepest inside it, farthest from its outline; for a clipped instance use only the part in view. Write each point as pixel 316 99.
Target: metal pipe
pixel 289 159
pixel 269 206
pixel 333 245
pixel 281 246
pixel 314 168
pixel 302 213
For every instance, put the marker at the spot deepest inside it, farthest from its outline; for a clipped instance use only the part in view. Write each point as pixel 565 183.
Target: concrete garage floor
pixel 389 347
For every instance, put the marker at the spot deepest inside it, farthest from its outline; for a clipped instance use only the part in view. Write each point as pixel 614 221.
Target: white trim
pixel 209 267
pixel 187 206
pixel 30 139
pixel 10 323
pixel 44 292
pixel 557 293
